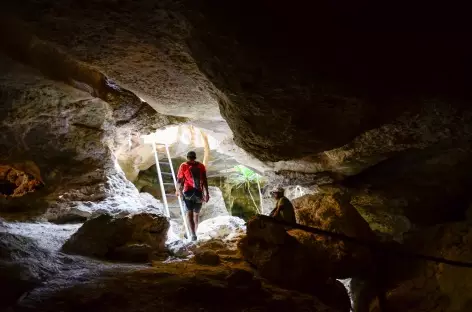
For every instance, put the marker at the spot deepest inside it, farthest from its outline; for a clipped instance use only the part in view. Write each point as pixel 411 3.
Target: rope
pixel 370 244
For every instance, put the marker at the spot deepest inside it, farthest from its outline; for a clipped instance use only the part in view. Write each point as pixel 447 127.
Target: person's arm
pixel 205 184
pixel 180 181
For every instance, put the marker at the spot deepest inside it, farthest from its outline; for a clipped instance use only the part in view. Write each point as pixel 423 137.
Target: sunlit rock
pixel 48 236
pixel 215 207
pixel 219 234
pixel 151 202
pixel 64 140
pixel 222 227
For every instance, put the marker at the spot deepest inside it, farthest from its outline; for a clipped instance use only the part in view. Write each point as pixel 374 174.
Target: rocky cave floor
pixel 54 281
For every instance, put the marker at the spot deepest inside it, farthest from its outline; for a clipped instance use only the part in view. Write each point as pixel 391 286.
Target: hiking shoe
pixel 194 237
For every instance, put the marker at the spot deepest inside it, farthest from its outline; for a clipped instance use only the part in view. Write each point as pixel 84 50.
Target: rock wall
pixel 64 138
pixel 215 207
pixel 417 285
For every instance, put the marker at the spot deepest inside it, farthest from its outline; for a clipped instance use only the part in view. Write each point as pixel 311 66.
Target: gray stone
pixel 120 238
pixel 215 207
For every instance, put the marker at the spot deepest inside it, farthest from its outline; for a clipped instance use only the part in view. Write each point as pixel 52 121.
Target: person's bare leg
pixel 195 221
pixel 191 224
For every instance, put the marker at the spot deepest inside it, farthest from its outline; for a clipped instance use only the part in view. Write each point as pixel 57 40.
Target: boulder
pixel 23 266
pixel 77 214
pixel 282 259
pixel 216 205
pixel 239 277
pixel 207 257
pixel 271 250
pixel 135 237
pixel 222 227
pixel 151 202
pixel 333 212
pixel 312 259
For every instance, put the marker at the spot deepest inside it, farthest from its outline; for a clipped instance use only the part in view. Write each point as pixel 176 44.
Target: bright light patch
pixel 183 134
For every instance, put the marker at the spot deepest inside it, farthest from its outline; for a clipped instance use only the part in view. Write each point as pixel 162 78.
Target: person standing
pixel 192 185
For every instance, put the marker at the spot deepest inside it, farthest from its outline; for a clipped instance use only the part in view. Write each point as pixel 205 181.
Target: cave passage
pixel 7 188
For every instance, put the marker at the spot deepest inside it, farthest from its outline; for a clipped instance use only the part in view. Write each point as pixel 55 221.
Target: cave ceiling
pixel 309 87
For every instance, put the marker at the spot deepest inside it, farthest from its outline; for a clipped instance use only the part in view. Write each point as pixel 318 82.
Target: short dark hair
pixel 191 155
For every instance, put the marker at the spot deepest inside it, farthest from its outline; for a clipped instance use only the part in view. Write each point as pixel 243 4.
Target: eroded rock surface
pixel 64 138
pixel 222 227
pixel 417 285
pixel 16 183
pixel 271 250
pixel 23 266
pixel 135 237
pixel 333 212
pixel 167 287
pixel 215 207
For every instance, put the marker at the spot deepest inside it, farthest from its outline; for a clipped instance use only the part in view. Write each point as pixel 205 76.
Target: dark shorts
pixel 193 201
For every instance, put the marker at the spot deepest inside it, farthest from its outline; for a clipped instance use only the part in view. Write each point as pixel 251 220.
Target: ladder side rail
pixel 179 198
pixel 161 182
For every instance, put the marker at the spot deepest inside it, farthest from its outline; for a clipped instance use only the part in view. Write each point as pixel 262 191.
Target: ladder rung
pixel 173 206
pixel 164 163
pixel 173 195
pixel 165 183
pixel 166 173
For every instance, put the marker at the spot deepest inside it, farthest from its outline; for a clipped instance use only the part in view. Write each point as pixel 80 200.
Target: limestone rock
pixel 16 183
pixel 207 257
pixel 77 214
pixel 133 237
pixel 201 64
pixel 223 227
pixel 215 207
pixel 384 213
pixel 170 287
pixel 65 144
pixel 133 253
pixel 150 201
pixel 427 186
pixel 333 212
pixel 270 249
pixel 416 285
pixel 240 277
pixel 23 266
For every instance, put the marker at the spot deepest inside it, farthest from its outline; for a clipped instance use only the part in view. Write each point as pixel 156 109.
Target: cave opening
pixel 236 189
pixel 17 183
pixel 233 188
